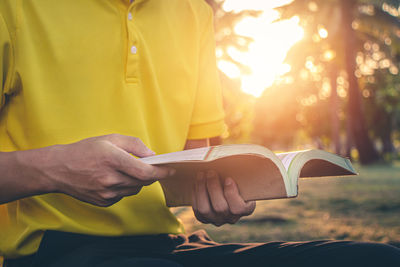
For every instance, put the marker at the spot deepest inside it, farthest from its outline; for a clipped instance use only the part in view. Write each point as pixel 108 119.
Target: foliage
pixel 320 52
pixel 276 121
pixel 312 102
pixel 238 105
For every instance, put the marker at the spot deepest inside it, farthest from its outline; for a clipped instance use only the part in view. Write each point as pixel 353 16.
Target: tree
pixel 340 18
pixel 238 106
pixel 356 118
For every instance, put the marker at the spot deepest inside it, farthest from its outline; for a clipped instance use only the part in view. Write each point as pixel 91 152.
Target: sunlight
pixel 239 5
pixel 329 55
pixel 266 54
pixel 322 32
pixel 230 69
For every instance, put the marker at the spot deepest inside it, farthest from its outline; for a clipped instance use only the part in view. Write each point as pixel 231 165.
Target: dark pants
pixel 73 250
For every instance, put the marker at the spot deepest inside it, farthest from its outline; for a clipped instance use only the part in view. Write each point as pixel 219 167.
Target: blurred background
pixel 300 74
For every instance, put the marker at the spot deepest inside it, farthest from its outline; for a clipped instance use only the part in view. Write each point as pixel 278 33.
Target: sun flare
pixel 272 40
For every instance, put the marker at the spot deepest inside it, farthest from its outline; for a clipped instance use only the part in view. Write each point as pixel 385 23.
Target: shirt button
pixel 130 17
pixel 133 49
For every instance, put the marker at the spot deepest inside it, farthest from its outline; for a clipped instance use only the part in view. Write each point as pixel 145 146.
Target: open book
pixel 258 172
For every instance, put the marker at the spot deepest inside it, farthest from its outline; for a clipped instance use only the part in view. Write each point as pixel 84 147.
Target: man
pixel 87 83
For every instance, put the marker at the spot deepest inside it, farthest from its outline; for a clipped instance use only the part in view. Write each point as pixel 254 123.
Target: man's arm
pixel 16 178
pixel 190 144
pixel 215 200
pixel 98 170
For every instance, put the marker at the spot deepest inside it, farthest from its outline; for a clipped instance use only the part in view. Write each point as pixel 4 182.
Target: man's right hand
pixel 97 170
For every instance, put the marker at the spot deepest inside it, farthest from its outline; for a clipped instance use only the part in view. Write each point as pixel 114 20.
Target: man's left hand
pixel 218 202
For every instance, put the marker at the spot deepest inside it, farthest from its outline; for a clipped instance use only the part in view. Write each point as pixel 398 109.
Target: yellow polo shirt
pixel 75 69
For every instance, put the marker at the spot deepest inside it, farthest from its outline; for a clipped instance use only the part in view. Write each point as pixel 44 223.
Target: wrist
pixel 32 166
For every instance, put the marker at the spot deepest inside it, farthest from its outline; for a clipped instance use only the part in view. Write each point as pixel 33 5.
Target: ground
pixel 362 208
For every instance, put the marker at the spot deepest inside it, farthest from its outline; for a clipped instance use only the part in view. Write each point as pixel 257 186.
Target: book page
pixel 185 155
pixel 237 149
pixel 319 163
pixel 287 158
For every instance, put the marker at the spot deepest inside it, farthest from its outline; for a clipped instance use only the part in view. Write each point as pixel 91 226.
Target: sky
pixel 266 54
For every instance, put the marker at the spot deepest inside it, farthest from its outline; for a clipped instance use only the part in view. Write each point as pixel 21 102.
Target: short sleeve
pixel 208 114
pixel 5 60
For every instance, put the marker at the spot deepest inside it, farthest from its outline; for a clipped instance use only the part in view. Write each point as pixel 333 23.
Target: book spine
pixel 209 152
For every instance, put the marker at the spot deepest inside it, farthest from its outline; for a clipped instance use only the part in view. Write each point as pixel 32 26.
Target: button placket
pixel 133 50
pixel 132 53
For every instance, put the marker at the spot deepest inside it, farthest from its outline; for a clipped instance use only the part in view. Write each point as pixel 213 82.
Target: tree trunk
pixel 366 150
pixel 386 135
pixel 388 147
pixel 349 139
pixel 334 109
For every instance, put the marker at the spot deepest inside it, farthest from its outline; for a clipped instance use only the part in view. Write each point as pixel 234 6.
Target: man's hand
pixel 96 170
pixel 218 202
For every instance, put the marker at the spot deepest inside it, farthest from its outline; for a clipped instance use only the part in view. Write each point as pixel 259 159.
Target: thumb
pixel 130 144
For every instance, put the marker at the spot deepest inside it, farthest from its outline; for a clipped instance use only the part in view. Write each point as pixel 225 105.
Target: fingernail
pixel 171 172
pixel 228 181
pixel 151 152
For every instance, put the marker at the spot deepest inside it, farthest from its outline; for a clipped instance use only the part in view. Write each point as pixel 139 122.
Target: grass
pixel 362 208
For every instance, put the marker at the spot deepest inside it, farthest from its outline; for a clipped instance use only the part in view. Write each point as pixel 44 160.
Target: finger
pixel 134 190
pixel 237 205
pixel 106 203
pixel 131 166
pixel 196 212
pixel 216 194
pixel 122 182
pixel 234 219
pixel 118 186
pixel 203 205
pixel 130 144
pixel 194 202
